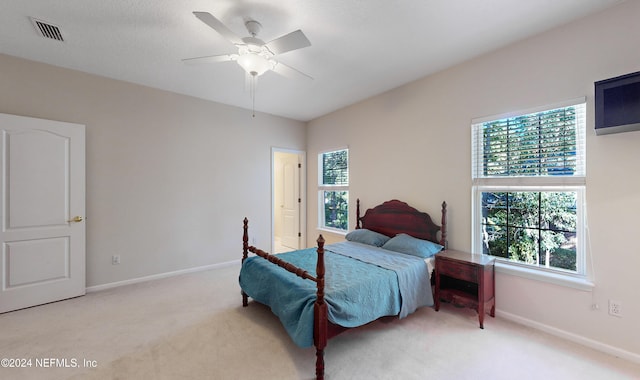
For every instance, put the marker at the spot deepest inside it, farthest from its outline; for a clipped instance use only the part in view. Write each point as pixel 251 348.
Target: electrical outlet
pixel 615 308
pixel 115 259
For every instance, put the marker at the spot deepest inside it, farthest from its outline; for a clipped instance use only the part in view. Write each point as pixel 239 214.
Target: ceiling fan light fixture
pixel 254 64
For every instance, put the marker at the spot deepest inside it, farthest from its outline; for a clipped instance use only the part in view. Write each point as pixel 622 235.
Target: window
pixel 333 185
pixel 528 186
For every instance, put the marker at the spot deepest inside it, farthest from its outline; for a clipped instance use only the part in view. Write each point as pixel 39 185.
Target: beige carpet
pixel 193 327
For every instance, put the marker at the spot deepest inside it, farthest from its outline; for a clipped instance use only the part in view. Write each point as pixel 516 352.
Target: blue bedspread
pixel 377 283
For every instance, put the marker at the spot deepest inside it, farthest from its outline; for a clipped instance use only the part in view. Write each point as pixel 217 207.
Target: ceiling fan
pixel 254 55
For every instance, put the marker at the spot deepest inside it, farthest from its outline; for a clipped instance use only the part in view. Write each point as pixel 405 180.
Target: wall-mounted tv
pixel 617 104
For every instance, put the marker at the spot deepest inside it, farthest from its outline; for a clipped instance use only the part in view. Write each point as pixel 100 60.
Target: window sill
pixel 333 231
pixel 570 281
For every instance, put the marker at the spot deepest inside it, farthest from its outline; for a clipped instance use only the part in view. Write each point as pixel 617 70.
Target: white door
pixel 42 209
pixel 291 201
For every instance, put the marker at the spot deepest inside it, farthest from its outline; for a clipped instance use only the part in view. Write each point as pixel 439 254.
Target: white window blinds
pixel 335 168
pixel 545 143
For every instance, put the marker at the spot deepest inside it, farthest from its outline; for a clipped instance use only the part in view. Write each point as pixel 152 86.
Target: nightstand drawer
pixel 459 271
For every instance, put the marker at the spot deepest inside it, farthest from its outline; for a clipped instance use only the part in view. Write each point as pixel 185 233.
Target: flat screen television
pixel 617 104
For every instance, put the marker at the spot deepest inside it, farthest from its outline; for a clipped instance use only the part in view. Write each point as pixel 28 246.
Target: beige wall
pixel 413 143
pixel 169 177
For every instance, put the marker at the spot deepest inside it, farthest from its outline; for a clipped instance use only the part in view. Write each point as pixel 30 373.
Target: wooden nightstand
pixel 466 279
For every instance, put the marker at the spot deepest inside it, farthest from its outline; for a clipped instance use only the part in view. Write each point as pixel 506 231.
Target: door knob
pixel 77 219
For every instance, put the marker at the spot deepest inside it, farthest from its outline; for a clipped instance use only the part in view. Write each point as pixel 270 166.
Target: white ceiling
pixel 359 48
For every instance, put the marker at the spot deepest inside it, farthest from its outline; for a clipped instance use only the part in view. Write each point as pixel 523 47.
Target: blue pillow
pixel 369 237
pixel 404 243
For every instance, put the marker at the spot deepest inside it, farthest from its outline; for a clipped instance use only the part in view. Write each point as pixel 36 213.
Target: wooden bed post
pixel 320 313
pixel 245 254
pixel 358 214
pixel 443 224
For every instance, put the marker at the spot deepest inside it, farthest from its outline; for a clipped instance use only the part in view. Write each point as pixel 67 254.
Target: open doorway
pixel 288 210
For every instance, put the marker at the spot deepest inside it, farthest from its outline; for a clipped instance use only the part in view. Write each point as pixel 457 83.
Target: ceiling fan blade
pixel 219 27
pixel 292 41
pixel 210 59
pixel 289 72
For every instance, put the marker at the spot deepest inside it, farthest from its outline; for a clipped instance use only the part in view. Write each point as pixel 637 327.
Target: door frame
pixel 303 192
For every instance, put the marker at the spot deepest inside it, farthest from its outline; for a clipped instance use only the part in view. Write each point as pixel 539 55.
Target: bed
pixel 382 269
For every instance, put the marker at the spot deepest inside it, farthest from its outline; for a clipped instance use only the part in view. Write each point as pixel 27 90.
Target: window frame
pixel 576 279
pixel 574 183
pixel 322 187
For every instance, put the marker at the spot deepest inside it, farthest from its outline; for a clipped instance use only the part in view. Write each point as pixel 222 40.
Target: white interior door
pixel 291 201
pixel 42 208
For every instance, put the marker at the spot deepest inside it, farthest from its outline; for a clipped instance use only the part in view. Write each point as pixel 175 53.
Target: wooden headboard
pixel 393 217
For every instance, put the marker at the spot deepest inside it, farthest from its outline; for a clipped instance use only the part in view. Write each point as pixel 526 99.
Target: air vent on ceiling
pixel 47 30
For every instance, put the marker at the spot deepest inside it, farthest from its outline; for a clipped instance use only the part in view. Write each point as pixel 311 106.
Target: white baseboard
pixel 617 352
pixel 111 285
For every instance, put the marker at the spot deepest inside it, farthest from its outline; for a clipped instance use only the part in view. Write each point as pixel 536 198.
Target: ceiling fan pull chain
pixel 254 78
